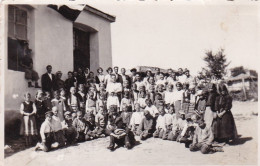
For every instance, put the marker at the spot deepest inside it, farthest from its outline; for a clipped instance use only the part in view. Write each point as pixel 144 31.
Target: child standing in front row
pixel 28 110
pixel 91 104
pixel 80 127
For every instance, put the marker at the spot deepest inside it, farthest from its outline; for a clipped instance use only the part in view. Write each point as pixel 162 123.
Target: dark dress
pixel 226 127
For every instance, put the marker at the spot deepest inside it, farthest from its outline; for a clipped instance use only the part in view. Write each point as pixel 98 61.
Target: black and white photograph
pixel 129 82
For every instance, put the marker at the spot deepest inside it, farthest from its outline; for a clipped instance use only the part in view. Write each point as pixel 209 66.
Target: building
pixel 60 36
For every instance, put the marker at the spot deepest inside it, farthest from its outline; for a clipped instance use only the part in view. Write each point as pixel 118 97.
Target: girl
pixel 141 100
pixel 169 95
pixel 91 104
pixel 226 127
pixel 101 102
pixel 127 101
pixel 136 118
pixel 160 89
pixel 178 98
pixel 40 108
pixel 100 77
pixel 57 102
pixel 73 101
pixel 28 110
pixel 108 76
pixel 81 97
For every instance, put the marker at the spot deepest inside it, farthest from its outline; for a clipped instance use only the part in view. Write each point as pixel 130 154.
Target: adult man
pixel 123 77
pixel 114 87
pixel 48 80
pixel 116 74
pixel 148 75
pixel 157 74
pixel 181 76
pixel 189 79
pixel 133 77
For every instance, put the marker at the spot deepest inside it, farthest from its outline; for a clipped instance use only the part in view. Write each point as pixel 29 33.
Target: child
pixel 141 100
pixel 151 86
pixel 126 115
pixel 81 97
pixel 161 80
pixel 70 130
pixel 169 95
pixel 101 102
pixel 102 91
pixel 28 110
pixel 57 127
pixel 158 99
pixel 113 100
pixel 90 127
pixel 80 126
pixel 176 130
pixel 126 87
pixel 91 103
pixel 111 119
pixel 160 125
pixel 101 121
pixel 151 108
pixel 127 101
pixel 47 101
pixel 178 98
pixel 134 92
pixel 47 134
pixel 186 99
pixel 136 118
pixel 145 129
pixel 73 101
pixel 192 93
pixel 40 109
pixel 57 102
pixel 170 122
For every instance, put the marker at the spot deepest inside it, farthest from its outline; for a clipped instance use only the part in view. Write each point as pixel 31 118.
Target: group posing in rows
pixel 171 106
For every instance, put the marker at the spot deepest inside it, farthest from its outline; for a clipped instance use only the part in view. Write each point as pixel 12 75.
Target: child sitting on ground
pixel 80 126
pixel 90 127
pixel 69 129
pixel 101 121
pixel 160 125
pixel 57 128
pixel 113 100
pixel 136 118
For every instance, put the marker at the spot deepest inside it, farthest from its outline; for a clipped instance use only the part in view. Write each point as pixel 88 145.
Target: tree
pixel 216 63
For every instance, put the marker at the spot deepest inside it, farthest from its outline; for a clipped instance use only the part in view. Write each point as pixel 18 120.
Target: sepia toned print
pixel 142 83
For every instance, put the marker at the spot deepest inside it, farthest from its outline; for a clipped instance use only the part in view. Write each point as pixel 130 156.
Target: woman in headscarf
pixel 226 127
pixel 210 112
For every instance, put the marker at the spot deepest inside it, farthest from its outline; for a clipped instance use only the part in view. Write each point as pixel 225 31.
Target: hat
pixel 148 70
pixel 49 113
pixel 134 69
pixel 58 72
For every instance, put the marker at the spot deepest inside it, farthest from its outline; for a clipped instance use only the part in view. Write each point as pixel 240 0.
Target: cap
pixel 134 69
pixel 67 113
pixel 49 113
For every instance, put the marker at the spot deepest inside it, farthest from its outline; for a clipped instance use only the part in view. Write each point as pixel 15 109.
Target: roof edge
pixel 100 13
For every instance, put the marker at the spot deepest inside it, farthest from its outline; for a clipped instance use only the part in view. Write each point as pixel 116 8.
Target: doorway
pixel 81 49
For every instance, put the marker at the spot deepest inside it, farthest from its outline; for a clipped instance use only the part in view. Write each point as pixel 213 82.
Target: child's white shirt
pixel 136 118
pixel 153 110
pixel 160 123
pixel 169 97
pixel 112 100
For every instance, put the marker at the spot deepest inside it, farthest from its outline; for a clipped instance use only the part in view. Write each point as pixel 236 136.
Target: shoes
pixel 111 148
pixel 128 145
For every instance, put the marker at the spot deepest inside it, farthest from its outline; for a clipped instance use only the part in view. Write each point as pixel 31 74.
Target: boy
pixel 73 101
pixel 176 129
pixel 170 121
pixel 101 121
pixel 80 127
pixel 145 128
pixel 70 130
pixel 57 128
pixel 160 125
pixel 113 100
pixel 111 120
pixel 151 108
pixel 178 98
pixel 90 127
pixel 136 118
pixel 126 115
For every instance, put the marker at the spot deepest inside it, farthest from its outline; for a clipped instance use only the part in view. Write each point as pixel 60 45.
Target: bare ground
pixel 153 151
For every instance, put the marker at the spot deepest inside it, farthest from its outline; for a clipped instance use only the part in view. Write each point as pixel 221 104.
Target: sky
pixel 172 35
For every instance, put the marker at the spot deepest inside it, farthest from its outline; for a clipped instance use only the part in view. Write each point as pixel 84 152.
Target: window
pixel 17 37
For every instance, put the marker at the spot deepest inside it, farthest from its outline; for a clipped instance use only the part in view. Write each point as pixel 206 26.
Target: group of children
pixel 170 106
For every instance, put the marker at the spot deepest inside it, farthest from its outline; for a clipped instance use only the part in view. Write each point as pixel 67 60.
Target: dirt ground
pixel 153 151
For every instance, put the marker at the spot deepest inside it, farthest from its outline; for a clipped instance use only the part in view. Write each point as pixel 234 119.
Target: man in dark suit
pixel 48 80
pixel 124 77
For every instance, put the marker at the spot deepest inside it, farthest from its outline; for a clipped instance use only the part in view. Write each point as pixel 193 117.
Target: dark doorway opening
pixel 81 49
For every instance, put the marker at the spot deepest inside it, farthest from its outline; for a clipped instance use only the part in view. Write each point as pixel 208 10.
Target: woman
pixel 100 77
pixel 108 76
pixel 226 127
pixel 210 112
pixel 59 83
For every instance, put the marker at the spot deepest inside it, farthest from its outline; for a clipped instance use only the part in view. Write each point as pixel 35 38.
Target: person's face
pixel 161 76
pixel 91 95
pixel 113 79
pixel 192 91
pixel 137 107
pixel 134 87
pixel 49 69
pixel 40 96
pixel 100 71
pixel 55 112
pixel 223 92
pixel 138 77
pixel 157 71
pixel 173 74
pixel 75 73
pixel 79 70
pixel 109 71
pixel 170 87
pixel 73 91
pixel 47 95
pixel 160 88
pixel 159 97
pixel 171 110
pixel 147 116
pixel 202 125
pixel 116 70
pixel 133 73
pixel 151 81
pixel 124 109
pixel 59 75
pixel 69 75
pixel 126 96
pixel 102 86
pixel 183 117
pixel 149 103
pixel 123 71
pixel 170 72
pixel 161 110
pixel 180 71
pixel 56 95
pixel 149 73
pixel 67 117
pixel 27 97
pixel 91 75
pixel 187 73
pixel 178 87
pixel 101 97
pixel 112 94
pixel 79 116
pixel 125 84
pixel 81 88
pixel 142 94
pixel 49 118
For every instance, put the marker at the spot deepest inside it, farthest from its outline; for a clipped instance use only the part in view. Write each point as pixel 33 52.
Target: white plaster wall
pixel 100 41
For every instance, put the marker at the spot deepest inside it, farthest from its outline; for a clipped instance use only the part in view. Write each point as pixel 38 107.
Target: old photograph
pixel 122 82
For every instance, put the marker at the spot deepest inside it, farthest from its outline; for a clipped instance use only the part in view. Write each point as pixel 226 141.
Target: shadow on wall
pixel 13 120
